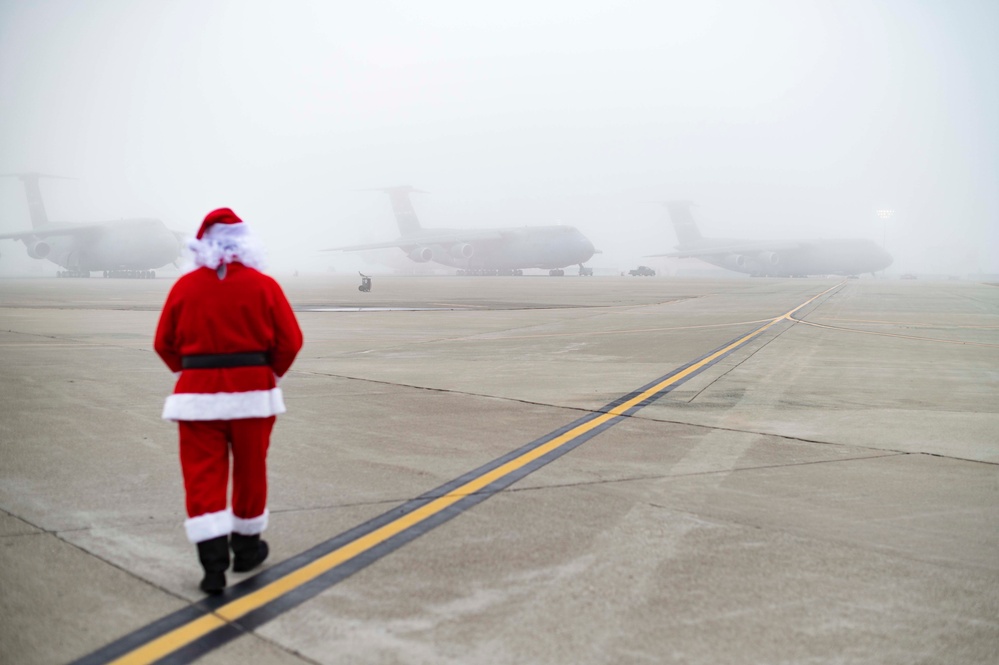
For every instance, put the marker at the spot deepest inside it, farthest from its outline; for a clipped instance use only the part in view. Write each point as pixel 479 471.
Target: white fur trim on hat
pixel 250 526
pixel 224 406
pixel 209 525
pixel 225 243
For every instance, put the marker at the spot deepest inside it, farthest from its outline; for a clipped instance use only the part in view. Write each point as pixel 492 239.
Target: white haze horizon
pixel 779 119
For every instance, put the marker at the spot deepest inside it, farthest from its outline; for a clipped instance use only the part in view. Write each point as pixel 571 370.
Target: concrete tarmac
pixel 827 493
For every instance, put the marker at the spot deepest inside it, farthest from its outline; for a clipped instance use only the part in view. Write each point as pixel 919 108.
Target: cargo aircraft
pixel 119 248
pixel 483 251
pixel 774 258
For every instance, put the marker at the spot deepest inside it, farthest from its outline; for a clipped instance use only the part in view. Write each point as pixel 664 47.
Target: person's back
pixel 241 311
pixel 229 333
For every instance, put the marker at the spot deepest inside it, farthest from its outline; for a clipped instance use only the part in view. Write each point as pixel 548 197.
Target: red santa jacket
pixel 245 311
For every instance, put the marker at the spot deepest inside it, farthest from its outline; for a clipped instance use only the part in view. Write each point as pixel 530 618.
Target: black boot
pixel 214 556
pixel 249 552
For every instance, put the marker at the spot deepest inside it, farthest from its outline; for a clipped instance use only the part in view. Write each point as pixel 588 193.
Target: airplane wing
pixel 428 238
pixel 75 229
pixel 735 248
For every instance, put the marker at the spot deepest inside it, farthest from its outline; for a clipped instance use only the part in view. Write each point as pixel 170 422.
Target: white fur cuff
pixel 224 406
pixel 208 526
pixel 250 526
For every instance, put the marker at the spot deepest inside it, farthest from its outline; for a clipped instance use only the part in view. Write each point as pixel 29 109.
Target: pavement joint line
pixel 57 534
pixel 693 474
pixel 481 337
pixel 449 391
pixel 882 550
pixel 736 365
pixel 339 506
pixel 934 340
pixel 184 636
pixel 466 393
pixel 804 440
pixel 886 453
pixel 585 483
pixel 910 324
pixel 600 311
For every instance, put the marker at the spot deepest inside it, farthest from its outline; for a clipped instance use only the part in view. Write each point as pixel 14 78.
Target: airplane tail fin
pixel 405 215
pixel 683 222
pixel 36 208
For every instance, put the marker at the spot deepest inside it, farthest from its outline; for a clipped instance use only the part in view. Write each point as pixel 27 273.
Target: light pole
pixel 885 214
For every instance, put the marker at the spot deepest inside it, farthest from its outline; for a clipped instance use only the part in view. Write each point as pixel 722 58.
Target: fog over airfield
pixel 778 118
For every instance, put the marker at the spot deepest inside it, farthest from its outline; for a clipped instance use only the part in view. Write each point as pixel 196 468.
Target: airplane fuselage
pixel 134 244
pixel 544 247
pixel 774 258
pixel 130 245
pixel 806 257
pixel 487 250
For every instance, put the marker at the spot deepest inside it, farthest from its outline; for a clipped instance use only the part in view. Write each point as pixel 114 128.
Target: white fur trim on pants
pixel 250 526
pixel 208 526
pixel 224 406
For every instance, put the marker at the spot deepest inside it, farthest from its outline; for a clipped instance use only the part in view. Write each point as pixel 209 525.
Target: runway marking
pixel 187 634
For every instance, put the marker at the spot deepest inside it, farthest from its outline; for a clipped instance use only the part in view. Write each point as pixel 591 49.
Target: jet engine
pixel 736 261
pixel 38 249
pixel 769 258
pixel 462 251
pixel 421 254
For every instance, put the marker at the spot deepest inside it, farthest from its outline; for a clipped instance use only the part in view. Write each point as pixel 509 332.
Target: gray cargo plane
pixel 774 258
pixel 483 251
pixel 120 248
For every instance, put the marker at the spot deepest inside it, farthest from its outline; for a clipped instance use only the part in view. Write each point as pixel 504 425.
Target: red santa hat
pixel 220 216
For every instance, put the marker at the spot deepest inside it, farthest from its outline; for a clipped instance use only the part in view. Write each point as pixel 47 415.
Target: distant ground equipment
pixel 642 271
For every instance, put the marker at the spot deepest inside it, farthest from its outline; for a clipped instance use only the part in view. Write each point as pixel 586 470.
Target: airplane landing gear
pixel 488 272
pixel 73 273
pixel 131 274
pixel 365 283
pixel 557 272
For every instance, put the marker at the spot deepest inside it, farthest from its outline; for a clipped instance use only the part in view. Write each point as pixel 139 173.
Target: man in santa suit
pixel 228 333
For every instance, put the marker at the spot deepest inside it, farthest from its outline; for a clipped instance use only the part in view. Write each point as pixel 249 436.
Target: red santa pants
pixel 205 446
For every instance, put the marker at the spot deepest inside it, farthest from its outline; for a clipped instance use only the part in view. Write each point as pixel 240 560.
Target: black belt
pixel 219 360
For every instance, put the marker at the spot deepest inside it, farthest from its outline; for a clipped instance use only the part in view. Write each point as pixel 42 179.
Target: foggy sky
pixel 778 118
